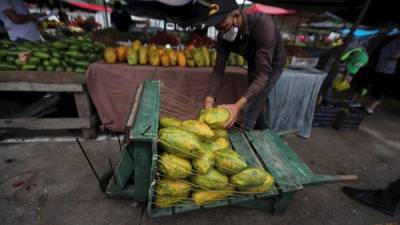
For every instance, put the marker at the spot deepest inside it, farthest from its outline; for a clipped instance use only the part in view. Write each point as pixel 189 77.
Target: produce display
pixel 139 54
pixel 73 54
pixel 197 164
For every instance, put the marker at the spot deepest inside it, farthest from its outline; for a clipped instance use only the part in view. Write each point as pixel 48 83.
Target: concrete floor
pixel 51 183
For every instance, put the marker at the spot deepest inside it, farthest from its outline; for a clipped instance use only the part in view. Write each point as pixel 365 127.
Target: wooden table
pixel 40 81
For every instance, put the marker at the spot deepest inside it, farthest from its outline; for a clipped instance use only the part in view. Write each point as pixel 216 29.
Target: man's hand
pixel 208 102
pixel 234 111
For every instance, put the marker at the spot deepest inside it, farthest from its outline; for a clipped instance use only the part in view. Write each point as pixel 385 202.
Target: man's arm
pixel 18 18
pixel 218 72
pixel 265 41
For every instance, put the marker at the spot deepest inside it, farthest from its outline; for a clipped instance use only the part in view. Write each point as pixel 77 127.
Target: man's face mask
pixel 231 34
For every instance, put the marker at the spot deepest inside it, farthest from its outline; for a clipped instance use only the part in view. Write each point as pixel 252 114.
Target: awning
pixel 259 8
pixel 88 6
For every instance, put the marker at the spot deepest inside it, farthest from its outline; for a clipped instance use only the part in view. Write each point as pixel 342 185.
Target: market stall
pixel 113 87
pixel 50 67
pixel 42 81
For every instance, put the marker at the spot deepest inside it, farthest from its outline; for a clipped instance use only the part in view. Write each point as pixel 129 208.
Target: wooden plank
pixel 143 166
pixel 146 123
pixel 135 106
pixel 261 204
pixel 298 167
pixel 124 169
pixel 42 77
pixel 28 86
pixel 328 179
pixel 48 124
pixel 243 147
pixel 272 159
pixel 84 108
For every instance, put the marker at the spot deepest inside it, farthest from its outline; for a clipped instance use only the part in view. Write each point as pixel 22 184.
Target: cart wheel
pixel 104 180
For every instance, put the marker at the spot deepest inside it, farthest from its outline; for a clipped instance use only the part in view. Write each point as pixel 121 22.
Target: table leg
pixel 84 107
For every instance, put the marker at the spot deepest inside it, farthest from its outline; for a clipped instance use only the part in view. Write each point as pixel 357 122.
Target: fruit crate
pixel 349 119
pixel 325 116
pixel 135 174
pixel 339 116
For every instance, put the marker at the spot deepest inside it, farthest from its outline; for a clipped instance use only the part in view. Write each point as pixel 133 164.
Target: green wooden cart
pixel 135 174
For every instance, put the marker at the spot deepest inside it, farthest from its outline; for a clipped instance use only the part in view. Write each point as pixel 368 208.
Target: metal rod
pixel 119 142
pixel 179 94
pixel 112 171
pixel 105 11
pixel 163 97
pixel 179 104
pixel 87 159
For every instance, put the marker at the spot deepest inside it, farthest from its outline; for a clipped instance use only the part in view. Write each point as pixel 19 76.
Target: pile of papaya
pixel 199 165
pixel 142 54
pixel 72 54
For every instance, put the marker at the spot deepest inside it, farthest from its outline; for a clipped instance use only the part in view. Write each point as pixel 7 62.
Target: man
pixel 383 200
pixel 121 18
pixel 19 23
pixel 257 38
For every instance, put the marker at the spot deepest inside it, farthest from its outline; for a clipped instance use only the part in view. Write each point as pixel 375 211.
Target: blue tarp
pixel 360 33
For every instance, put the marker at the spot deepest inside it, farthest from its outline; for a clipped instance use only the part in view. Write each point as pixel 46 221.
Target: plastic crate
pixel 340 116
pixel 325 116
pixel 349 119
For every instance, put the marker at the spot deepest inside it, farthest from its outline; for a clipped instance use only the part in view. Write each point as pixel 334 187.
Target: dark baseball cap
pixel 212 12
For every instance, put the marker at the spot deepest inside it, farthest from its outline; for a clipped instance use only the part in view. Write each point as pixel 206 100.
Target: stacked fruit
pixel 199 165
pixel 138 54
pixel 72 54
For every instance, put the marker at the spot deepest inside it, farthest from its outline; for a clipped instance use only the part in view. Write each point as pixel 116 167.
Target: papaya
pixel 181 59
pixel 142 55
pixel 239 60
pixel 180 142
pixel 152 47
pixel 198 57
pixel 136 44
pixel 160 51
pixel 132 56
pixel 250 177
pixel 170 122
pixel 110 55
pixel 173 58
pixel 206 56
pixel 164 58
pixel 154 59
pixel 202 197
pixel 215 117
pixel 191 63
pixel 121 53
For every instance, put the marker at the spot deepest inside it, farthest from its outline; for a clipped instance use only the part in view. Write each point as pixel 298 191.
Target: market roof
pixel 272 10
pixel 377 13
